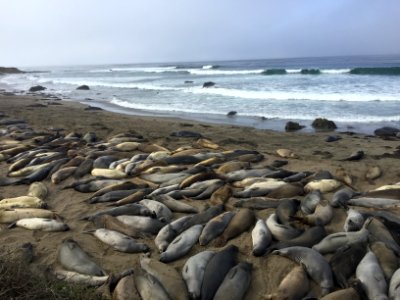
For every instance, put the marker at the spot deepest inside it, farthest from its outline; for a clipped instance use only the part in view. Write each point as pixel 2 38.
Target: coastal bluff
pixel 10 70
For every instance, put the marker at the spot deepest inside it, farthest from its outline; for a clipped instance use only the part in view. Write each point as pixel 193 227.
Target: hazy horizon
pixel 48 33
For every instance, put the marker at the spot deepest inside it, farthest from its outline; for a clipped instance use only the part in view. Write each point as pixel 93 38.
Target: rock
pixel 323 124
pixel 208 84
pixel 387 131
pixel 186 134
pixel 188 81
pixel 37 88
pixel 83 87
pixel 93 108
pixel 231 113
pixel 4 70
pixel 293 126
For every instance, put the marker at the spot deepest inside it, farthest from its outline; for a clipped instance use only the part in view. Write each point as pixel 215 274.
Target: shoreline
pixel 314 154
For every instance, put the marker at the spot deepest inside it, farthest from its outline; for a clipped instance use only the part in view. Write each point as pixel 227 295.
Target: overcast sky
pixel 64 32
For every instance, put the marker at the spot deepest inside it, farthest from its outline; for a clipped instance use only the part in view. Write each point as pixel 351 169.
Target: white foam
pixel 223 72
pixel 280 95
pixel 335 71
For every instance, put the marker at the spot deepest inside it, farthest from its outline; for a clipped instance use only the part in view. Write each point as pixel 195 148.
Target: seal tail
pixel 12 225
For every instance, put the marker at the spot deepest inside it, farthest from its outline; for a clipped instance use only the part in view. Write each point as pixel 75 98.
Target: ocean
pixel 359 93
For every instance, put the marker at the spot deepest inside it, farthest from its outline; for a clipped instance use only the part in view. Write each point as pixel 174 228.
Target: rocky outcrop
pixel 83 87
pixel 231 113
pixel 386 131
pixel 4 70
pixel 323 124
pixel 208 84
pixel 293 126
pixel 37 88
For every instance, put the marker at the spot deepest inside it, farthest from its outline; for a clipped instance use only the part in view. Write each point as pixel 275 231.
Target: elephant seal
pixel 345 294
pixel 344 176
pixel 379 232
pixel 371 277
pixel 293 286
pixel 193 272
pixel 235 283
pixel 175 205
pixel 354 220
pixel 145 224
pixel 38 189
pixel 108 173
pixel 167 275
pixel 324 185
pixel 322 215
pixel 126 289
pixel 215 227
pixel 286 209
pixel 119 241
pixel 216 270
pixel 341 197
pixel 221 195
pixel 281 232
pixel 72 257
pixel 372 173
pixel 160 209
pixel 62 174
pixel 386 258
pixel 13 215
pixel 78 278
pixel 345 261
pixel 240 222
pixel 261 237
pixel 149 287
pixel 44 224
pixel 112 223
pixel 170 231
pixel 314 263
pixel 336 240
pixel 357 155
pixel 182 244
pixel 310 202
pixel 308 238
pixel 394 286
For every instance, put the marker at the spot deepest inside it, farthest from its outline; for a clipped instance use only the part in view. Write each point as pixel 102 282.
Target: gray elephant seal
pixel 261 237
pixel 314 263
pixel 73 258
pixel 193 272
pixel 236 283
pixel 149 287
pixel 216 270
pixel 310 202
pixel 394 287
pixel 286 209
pixel 371 277
pixel 281 232
pixel 342 196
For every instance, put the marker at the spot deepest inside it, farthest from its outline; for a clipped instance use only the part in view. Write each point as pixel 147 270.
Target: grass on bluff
pixel 19 282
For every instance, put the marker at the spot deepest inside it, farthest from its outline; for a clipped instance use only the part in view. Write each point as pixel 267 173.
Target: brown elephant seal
pixel 293 286
pixel 126 289
pixel 240 222
pixel 386 258
pixel 287 191
pixel 167 275
pixel 221 195
pixel 314 263
pixel 346 294
pixel 149 287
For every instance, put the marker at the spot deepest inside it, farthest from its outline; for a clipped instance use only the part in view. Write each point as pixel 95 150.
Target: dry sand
pixel 314 154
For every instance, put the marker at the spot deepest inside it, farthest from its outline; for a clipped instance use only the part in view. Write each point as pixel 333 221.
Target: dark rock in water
pixel 332 138
pixel 293 126
pixel 323 124
pixel 186 134
pixel 188 81
pixel 4 70
pixel 208 84
pixel 387 131
pixel 231 113
pixel 83 87
pixel 37 88
pixel 93 108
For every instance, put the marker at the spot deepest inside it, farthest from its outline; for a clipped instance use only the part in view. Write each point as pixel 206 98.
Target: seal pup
pixel 167 275
pixel 38 189
pixel 43 224
pixel 294 285
pixel 357 155
pixel 314 263
pixel 323 185
pixel 279 231
pixel 72 257
pixel 216 270
pixel 261 237
pixel 215 227
pixel 310 202
pixel 371 277
pixel 372 173
pixel 193 272
pixel 236 282
pixel 354 220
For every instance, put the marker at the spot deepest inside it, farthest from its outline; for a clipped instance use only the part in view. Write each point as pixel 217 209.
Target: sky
pixel 71 32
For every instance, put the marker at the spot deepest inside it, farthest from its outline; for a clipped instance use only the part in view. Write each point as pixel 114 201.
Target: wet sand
pixel 313 152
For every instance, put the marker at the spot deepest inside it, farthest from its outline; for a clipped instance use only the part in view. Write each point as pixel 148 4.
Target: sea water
pixel 359 93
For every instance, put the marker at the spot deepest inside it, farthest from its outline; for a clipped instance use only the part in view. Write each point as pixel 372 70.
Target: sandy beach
pixel 43 113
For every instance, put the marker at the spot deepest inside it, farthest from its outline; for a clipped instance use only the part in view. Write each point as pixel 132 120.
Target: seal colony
pixel 198 219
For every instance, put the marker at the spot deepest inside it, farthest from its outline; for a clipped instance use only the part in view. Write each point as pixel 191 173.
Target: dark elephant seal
pixel 216 270
pixel 236 283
